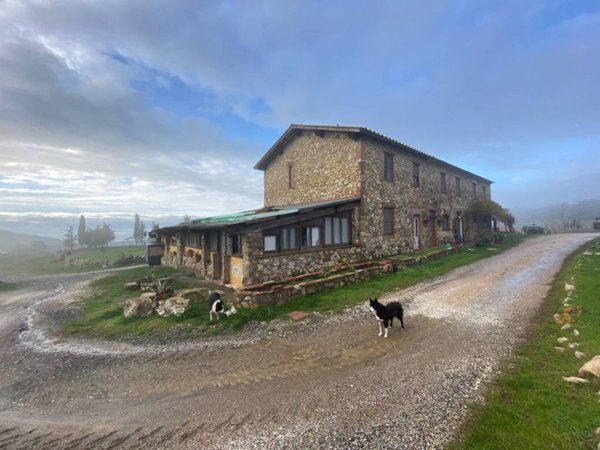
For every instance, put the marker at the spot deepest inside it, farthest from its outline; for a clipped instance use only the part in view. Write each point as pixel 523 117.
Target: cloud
pixel 166 106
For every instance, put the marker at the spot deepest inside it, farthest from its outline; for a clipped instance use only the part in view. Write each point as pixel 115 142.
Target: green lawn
pixel 103 314
pixel 4 287
pixel 531 406
pixel 50 263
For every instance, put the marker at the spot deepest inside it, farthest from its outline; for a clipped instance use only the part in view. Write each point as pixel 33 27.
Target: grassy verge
pixel 48 264
pixel 103 313
pixel 531 406
pixel 4 287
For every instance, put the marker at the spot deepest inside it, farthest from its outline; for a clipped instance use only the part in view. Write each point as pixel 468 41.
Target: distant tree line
pixel 98 237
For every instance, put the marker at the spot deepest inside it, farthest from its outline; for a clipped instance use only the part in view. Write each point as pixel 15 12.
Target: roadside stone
pixel 559 349
pixel 562 319
pixel 574 345
pixel 138 307
pixel 297 315
pixel 566 326
pixel 173 306
pixel 591 368
pixel 579 355
pixel 150 295
pixel 133 286
pixel 576 333
pixel 575 380
pixel 578 310
pixel 562 340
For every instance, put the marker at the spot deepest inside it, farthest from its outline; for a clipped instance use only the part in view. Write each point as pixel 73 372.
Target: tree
pixel 482 211
pixel 81 231
pixel 139 230
pixel 69 241
pixel 106 235
pixel 143 230
pixel 136 229
pixel 186 219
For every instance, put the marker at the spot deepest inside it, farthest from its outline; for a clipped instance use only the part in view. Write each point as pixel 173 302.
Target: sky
pixel 162 108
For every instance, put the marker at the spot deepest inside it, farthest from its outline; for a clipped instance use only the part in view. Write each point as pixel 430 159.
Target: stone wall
pixel 425 202
pixel 325 167
pixel 260 267
pixel 276 294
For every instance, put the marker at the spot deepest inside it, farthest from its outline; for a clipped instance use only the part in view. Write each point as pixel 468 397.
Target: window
pixel 310 236
pixel 337 230
pixel 388 221
pixel 270 242
pixel 318 233
pixel 236 244
pixel 289 240
pixel 474 189
pixel 415 172
pixel 443 182
pixel 290 175
pixel 484 192
pixel 388 167
pixel 458 185
pixel 445 222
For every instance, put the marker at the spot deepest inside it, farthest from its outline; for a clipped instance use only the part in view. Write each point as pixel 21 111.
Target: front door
pixel 416 233
pixel 433 233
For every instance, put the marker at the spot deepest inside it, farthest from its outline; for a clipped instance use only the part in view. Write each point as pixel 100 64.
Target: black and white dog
pixel 385 314
pixel 217 307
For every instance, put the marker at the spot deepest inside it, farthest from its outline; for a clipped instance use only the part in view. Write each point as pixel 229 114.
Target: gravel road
pixel 328 382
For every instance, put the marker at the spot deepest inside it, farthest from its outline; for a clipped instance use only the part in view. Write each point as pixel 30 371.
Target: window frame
pixel 291 181
pixel 443 183
pixel 274 235
pixel 341 217
pixel 292 245
pixel 314 226
pixel 236 241
pixel 416 174
pixel 388 221
pixel 445 222
pixel 388 166
pixel 458 188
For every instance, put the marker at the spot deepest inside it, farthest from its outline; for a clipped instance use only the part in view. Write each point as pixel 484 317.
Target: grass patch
pixel 420 253
pixel 49 264
pixel 102 316
pixel 530 405
pixel 5 287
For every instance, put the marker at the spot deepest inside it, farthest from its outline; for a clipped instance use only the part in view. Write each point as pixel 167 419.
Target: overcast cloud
pixel 163 107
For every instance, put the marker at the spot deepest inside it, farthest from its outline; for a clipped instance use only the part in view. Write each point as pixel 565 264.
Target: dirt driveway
pixel 327 383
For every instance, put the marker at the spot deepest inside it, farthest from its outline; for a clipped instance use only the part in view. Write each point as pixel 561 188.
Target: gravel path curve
pixel 329 382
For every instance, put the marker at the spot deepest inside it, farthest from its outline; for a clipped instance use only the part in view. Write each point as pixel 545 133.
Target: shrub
pixel 128 260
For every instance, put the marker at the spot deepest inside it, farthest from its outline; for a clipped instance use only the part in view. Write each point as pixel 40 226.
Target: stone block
pixel 138 307
pixel 133 286
pixel 173 306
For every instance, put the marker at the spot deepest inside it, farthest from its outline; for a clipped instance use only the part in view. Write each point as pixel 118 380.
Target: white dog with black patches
pixel 217 307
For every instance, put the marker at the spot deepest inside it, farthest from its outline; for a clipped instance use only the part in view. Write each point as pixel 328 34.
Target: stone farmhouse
pixel 333 196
